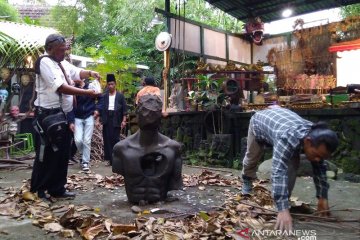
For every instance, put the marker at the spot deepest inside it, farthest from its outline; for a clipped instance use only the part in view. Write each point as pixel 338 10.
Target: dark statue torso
pixel 149 171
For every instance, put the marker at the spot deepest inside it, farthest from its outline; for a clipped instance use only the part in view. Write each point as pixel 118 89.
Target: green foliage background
pixel 118 32
pixel 351 10
pixel 92 21
pixel 7 10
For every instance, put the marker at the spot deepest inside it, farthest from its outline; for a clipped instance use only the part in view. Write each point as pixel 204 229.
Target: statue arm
pixel 118 161
pixel 176 182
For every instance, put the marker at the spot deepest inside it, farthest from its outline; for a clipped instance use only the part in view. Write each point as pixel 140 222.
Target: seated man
pixel 9 124
pixel 149 161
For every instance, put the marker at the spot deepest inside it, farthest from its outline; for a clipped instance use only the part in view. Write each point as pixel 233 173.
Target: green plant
pixel 110 56
pixel 13 51
pixel 192 96
pixel 208 90
pixel 211 98
pixel 10 11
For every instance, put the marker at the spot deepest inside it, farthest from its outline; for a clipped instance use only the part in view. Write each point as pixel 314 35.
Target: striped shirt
pixel 285 130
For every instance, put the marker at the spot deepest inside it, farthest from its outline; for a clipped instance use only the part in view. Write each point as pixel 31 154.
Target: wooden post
pixel 166 60
pixel 166 78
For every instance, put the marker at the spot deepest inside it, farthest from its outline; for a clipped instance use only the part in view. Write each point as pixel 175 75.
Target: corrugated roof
pixel 33 11
pixel 270 11
pixel 26 35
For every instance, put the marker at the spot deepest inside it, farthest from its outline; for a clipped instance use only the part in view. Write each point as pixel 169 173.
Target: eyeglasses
pixel 57 39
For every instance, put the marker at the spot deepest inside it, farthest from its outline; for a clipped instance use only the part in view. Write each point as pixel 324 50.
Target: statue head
pixel 3 95
pixel 15 88
pixel 14 111
pixel 148 111
pixel 5 74
pixel 25 79
pixel 255 28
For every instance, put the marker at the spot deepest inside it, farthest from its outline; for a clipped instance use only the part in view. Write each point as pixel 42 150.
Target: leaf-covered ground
pixel 233 219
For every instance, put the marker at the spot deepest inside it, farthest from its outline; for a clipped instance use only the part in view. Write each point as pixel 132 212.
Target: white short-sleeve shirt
pixel 50 79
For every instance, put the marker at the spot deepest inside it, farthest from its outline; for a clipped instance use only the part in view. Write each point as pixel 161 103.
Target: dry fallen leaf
pixel 8 209
pixel 204 216
pixel 119 237
pixel 64 219
pixel 171 236
pixel 146 212
pixel 59 209
pixel 28 196
pixel 122 228
pixel 83 208
pixel 159 211
pixel 210 224
pixel 67 233
pixel 242 207
pixel 108 223
pixel 53 227
pixel 91 232
pixel 149 224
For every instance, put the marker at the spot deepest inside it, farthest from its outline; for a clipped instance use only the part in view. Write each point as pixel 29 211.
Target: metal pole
pixel 167 10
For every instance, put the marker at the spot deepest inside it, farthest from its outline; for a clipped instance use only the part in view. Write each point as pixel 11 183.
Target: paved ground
pixel 113 203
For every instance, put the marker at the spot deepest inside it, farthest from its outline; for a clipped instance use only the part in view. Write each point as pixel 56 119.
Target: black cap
pixel 149 81
pixel 54 38
pixel 110 77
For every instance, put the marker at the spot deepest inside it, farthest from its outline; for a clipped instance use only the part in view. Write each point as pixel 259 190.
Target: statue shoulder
pixel 132 141
pixel 175 143
pixel 121 145
pixel 168 142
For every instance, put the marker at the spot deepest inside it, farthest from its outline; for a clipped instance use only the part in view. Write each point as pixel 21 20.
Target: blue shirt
pixel 85 107
pixel 285 131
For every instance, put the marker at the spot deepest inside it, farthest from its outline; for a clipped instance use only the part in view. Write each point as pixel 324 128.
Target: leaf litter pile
pixel 222 222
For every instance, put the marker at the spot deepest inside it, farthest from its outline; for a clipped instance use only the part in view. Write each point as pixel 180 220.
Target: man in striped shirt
pixel 289 134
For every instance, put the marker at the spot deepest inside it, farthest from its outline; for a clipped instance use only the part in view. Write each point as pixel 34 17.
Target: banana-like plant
pixel 13 52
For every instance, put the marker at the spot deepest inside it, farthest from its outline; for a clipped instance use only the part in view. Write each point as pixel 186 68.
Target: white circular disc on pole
pixel 163 41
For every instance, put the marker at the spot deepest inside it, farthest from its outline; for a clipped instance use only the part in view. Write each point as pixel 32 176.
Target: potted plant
pixel 219 142
pixel 208 92
pixel 192 101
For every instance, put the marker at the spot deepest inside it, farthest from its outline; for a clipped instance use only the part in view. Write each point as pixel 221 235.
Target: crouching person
pixel 290 135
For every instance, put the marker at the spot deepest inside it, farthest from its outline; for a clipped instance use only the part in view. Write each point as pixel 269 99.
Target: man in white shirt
pixel 54 95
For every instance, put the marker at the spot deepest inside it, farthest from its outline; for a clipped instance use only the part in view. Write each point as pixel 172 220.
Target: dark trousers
pixel 111 135
pixel 73 148
pixel 51 174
